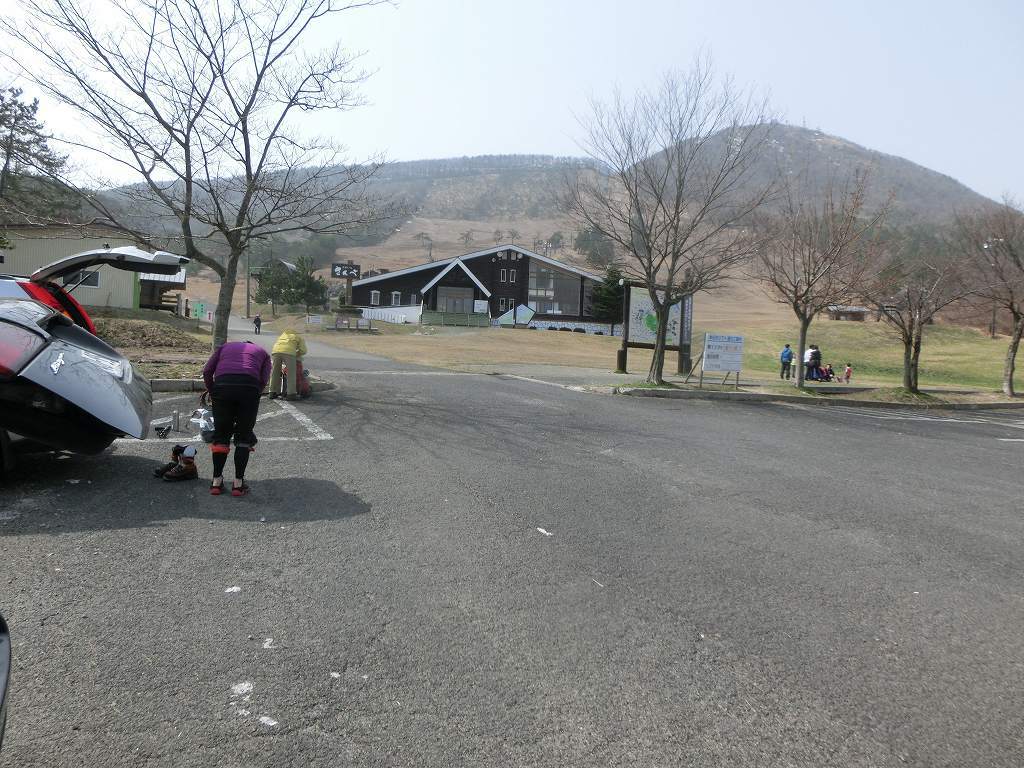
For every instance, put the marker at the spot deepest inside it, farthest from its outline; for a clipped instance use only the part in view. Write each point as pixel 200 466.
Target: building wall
pixel 487 269
pixel 407 285
pixel 34 248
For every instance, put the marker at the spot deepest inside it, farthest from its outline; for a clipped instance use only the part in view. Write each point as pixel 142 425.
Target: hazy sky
pixel 937 82
pixel 940 83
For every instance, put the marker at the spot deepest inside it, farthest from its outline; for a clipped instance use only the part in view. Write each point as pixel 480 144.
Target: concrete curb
pixel 742 397
pixel 197 385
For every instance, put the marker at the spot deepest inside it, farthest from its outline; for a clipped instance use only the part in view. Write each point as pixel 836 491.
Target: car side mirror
pixel 5 674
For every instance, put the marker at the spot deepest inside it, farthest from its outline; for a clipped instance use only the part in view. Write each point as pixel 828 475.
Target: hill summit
pixel 505 187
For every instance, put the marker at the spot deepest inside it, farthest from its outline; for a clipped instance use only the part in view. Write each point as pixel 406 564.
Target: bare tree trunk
pixel 225 297
pixel 1011 355
pixel 908 382
pixel 911 359
pixel 805 323
pixel 656 374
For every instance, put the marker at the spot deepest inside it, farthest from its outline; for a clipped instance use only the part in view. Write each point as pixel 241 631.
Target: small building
pixel 489 282
pixel 842 312
pixel 33 247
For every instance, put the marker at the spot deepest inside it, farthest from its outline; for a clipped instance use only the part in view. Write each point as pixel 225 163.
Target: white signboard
pixel 643 322
pixel 479 306
pixel 722 353
pixel 314 320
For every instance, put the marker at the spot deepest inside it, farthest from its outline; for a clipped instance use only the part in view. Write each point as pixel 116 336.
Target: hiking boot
pixel 176 452
pixel 161 471
pixel 186 470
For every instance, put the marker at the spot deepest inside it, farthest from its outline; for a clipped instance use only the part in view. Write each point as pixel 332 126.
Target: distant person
pixel 257 324
pixel 786 358
pixel 807 361
pixel 287 350
pixel 848 373
pixel 815 361
pixel 235 375
pixel 829 373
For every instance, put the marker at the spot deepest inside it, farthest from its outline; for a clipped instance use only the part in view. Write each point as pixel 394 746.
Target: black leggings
pixel 234 415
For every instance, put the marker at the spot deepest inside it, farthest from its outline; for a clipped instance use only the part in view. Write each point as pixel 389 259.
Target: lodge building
pixel 492 281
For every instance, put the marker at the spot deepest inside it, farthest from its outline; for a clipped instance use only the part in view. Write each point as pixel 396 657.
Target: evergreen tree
pixel 30 170
pixel 608 296
pixel 272 284
pixel 304 286
pixel 599 250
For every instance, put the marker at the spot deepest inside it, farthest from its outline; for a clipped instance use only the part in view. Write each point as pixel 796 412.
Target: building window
pixel 375 298
pixel 396 298
pixel 90 279
pixel 511 275
pixel 501 305
pixel 504 275
pixel 413 298
pixel 553 291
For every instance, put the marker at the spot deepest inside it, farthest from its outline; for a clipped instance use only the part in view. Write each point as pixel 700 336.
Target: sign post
pixel 347 272
pixel 640 326
pixel 722 352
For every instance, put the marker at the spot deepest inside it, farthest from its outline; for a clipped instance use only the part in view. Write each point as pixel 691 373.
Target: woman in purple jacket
pixel 235 375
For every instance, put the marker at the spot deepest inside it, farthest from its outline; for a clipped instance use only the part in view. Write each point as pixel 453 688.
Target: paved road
pixel 476 570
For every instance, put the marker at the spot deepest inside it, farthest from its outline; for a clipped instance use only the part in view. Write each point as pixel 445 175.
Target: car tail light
pixel 54 296
pixel 17 347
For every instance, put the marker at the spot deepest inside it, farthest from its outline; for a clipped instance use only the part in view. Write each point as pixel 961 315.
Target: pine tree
pixel 30 172
pixel 607 297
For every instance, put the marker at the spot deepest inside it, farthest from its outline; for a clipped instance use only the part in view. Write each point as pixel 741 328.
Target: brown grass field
pixel 953 355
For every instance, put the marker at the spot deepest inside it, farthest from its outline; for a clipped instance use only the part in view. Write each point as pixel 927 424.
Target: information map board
pixel 643 322
pixel 640 325
pixel 722 353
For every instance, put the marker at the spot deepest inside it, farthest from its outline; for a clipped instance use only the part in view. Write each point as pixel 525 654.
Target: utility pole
pixel 248 293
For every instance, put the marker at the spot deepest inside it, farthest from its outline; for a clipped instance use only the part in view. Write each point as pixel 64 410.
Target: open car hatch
pixel 123 257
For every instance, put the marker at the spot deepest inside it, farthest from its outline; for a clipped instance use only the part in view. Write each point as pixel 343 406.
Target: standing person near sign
pixel 286 351
pixel 786 358
pixel 815 362
pixel 257 324
pixel 235 375
pixel 808 371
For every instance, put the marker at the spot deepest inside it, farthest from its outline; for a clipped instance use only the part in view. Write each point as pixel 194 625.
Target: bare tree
pixel 513 235
pixel 818 248
pixel 679 186
pixel 427 242
pixel 992 240
pixel 498 234
pixel 919 277
pixel 467 238
pixel 201 103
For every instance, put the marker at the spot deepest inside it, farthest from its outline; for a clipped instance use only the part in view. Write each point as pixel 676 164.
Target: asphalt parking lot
pixel 446 569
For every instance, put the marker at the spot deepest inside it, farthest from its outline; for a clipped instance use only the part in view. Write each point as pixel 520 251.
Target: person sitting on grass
pixel 829 374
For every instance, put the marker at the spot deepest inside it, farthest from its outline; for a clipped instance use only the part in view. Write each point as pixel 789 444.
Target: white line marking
pixel 546 533
pixel 598 583
pixel 232 589
pixel 272 414
pixel 268 721
pixel 268 644
pixel 409 373
pixel 1010 439
pixel 534 381
pixel 307 422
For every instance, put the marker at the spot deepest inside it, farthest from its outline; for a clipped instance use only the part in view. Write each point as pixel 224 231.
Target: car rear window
pixel 9 289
